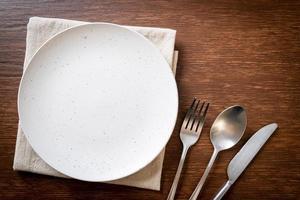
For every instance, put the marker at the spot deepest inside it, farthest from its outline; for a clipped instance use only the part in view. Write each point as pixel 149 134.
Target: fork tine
pixel 192 117
pixel 188 114
pixel 205 111
pixel 195 122
pixel 201 119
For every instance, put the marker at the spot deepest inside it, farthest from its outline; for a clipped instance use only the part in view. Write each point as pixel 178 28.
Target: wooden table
pixel 231 52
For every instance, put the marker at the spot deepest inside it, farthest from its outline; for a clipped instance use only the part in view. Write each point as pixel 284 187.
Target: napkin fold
pixel 39 30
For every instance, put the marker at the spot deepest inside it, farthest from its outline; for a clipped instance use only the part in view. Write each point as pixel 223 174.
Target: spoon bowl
pixel 228 128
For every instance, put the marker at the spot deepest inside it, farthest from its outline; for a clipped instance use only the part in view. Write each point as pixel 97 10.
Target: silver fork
pixel 189 134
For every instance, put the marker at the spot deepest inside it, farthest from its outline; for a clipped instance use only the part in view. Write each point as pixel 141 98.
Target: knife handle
pixel 222 191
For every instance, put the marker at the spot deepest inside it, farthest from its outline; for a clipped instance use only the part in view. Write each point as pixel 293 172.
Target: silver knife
pixel 241 160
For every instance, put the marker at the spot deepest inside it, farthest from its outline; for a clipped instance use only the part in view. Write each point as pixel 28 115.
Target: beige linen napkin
pixel 38 31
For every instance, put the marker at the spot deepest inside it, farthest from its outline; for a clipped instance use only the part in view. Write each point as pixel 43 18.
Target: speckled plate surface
pixel 98 102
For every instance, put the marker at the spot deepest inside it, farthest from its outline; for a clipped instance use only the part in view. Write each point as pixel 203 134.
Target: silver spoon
pixel 226 131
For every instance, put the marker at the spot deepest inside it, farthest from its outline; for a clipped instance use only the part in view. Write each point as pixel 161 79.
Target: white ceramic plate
pixel 98 102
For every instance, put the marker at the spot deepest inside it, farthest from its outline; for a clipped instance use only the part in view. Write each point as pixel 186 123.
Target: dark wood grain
pixel 231 52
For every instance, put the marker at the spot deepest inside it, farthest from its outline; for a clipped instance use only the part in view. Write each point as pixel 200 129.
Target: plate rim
pixel 172 75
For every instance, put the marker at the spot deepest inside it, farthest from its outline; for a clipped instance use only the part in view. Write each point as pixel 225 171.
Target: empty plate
pixel 98 102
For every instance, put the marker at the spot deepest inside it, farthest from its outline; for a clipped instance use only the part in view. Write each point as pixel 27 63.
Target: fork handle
pixel 178 173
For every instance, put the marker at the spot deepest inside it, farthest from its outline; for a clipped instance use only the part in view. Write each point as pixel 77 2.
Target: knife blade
pixel 242 159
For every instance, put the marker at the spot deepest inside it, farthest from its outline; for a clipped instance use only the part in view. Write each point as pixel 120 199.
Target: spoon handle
pixel 178 173
pixel 204 176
